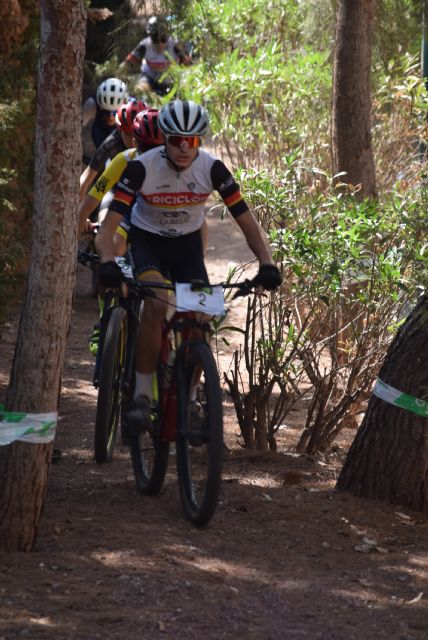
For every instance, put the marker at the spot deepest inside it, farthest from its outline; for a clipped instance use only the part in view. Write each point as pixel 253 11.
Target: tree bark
pixel 40 349
pixel 351 113
pixel 388 459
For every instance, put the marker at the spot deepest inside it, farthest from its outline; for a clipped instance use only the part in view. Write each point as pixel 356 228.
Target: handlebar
pixel 145 289
pixel 88 259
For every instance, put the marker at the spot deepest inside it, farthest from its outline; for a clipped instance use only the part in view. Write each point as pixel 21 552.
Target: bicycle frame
pixel 181 326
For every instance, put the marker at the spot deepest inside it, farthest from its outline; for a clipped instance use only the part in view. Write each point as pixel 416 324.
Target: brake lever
pixel 244 289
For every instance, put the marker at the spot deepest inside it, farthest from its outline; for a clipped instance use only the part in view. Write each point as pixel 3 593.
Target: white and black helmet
pixel 111 94
pixel 183 118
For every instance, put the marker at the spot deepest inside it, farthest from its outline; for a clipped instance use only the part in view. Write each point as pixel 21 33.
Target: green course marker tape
pixel 38 428
pixel 398 399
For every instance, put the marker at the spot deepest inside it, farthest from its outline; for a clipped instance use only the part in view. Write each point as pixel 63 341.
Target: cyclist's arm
pixel 109 177
pixel 89 111
pixel 228 188
pixel 104 238
pixel 255 237
pixel 86 179
pixel 124 198
pixel 86 207
pixel 136 55
pixel 108 149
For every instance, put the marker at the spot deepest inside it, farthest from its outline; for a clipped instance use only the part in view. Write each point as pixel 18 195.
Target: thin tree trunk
pixel 40 350
pixel 351 117
pixel 388 459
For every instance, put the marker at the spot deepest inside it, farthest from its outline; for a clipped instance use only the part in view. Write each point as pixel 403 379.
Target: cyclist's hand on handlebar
pixel 110 274
pixel 88 227
pixel 268 277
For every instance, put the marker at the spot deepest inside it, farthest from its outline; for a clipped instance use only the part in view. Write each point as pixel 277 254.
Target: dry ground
pixel 285 557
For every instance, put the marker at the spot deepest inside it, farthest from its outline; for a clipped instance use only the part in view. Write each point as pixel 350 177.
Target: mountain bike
pixel 187 401
pixel 187 408
pixel 109 365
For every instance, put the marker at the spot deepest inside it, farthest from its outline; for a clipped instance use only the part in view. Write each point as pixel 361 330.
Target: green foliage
pixel 350 269
pixel 265 91
pixel 398 29
pixel 17 109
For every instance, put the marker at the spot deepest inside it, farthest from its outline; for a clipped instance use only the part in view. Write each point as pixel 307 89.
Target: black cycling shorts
pixel 181 259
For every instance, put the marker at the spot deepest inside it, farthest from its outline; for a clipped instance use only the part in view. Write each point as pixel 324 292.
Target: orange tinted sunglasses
pixel 191 141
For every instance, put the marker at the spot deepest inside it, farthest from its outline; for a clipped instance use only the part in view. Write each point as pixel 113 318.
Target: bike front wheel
pixel 149 456
pixel 109 389
pixel 199 431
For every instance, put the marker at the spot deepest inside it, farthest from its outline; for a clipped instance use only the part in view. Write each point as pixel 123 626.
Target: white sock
pixel 143 385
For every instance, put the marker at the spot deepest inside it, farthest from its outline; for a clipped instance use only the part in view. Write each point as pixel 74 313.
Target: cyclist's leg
pixel 147 265
pixel 191 267
pixel 95 335
pixel 150 331
pixel 120 238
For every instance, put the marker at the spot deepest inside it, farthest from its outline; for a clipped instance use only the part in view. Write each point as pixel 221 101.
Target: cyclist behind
pixel 147 135
pixel 118 141
pixel 166 189
pixel 100 110
pixel 155 54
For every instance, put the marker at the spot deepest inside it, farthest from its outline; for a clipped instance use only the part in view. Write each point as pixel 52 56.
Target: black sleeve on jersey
pixel 139 52
pixel 224 182
pixel 126 189
pixel 106 151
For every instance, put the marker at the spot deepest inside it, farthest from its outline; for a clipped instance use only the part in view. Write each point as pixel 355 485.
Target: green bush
pixel 351 270
pixel 17 115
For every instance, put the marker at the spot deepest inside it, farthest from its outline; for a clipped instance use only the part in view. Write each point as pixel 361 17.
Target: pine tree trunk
pixel 351 126
pixel 388 459
pixel 40 350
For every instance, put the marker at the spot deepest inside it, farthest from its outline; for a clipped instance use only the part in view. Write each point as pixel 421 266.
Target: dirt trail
pixel 285 557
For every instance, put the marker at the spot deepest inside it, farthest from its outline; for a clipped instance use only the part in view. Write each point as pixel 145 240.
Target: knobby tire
pixel 200 452
pixel 149 455
pixel 109 389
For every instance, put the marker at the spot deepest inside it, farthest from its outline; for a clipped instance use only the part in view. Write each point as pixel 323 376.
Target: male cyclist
pixel 116 142
pixel 167 188
pixel 155 54
pixel 146 135
pixel 100 110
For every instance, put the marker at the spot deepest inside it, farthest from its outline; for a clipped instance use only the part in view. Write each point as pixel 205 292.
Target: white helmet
pixel 183 118
pixel 111 94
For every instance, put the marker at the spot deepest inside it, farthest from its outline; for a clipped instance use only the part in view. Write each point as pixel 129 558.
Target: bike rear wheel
pixel 109 384
pixel 149 455
pixel 199 431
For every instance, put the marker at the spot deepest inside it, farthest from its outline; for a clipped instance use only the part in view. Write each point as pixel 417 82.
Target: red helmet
pixel 146 130
pixel 126 113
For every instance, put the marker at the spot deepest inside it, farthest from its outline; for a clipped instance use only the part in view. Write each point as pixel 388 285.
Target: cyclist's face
pixel 183 155
pixel 109 118
pixel 128 139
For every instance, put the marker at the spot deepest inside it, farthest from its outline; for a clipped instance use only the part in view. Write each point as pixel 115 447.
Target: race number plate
pixel 208 300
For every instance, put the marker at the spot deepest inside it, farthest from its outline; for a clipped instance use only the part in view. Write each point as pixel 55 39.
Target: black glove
pixel 268 277
pixel 110 274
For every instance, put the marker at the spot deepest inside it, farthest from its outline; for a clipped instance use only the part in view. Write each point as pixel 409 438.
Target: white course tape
pixel 37 428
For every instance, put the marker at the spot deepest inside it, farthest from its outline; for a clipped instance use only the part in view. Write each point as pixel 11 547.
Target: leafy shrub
pixel 349 269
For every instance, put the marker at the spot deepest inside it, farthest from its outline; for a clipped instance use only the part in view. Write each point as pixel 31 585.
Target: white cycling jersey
pixel 171 203
pixel 155 62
